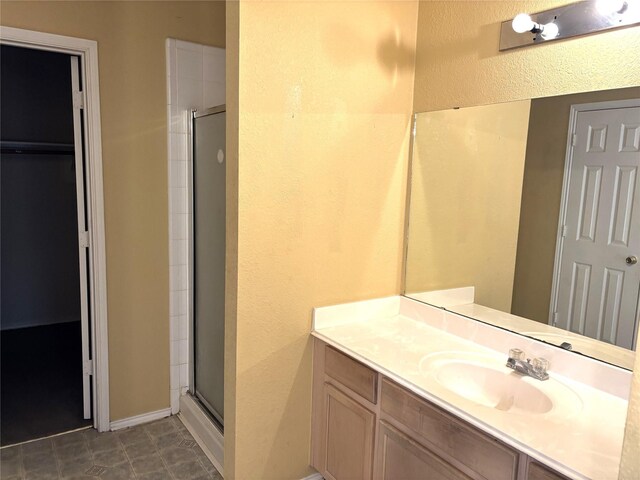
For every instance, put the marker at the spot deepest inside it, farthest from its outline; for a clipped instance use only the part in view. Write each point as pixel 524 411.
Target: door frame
pixel 87 50
pixel 573 118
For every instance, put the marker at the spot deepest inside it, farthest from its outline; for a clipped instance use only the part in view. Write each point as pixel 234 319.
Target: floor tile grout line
pixel 93 462
pixel 135 475
pixel 87 444
pixel 182 434
pixel 22 467
pixel 164 462
pixel 57 458
pixel 23 472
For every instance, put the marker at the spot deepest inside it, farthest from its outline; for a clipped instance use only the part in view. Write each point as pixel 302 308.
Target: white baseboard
pixel 203 430
pixel 140 419
pixel 314 476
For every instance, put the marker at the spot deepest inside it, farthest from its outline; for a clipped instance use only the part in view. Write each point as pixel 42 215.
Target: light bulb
pixel 611 7
pixel 549 31
pixel 522 23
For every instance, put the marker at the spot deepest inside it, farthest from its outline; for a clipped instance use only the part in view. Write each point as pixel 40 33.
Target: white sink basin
pixel 486 381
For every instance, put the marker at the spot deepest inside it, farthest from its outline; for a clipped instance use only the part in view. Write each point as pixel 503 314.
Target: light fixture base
pixel 580 18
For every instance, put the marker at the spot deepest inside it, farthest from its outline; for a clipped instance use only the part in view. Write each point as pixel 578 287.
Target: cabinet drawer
pixel 479 452
pixel 399 457
pixel 351 373
pixel 535 471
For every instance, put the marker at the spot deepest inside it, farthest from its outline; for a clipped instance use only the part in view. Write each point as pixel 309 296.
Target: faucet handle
pixel 540 365
pixel 516 354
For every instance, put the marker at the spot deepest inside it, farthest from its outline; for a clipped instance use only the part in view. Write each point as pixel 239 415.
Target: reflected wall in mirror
pixel 544 234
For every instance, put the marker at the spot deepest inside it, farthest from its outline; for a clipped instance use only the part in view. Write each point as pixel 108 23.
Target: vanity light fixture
pixel 611 7
pixel 580 18
pixel 522 23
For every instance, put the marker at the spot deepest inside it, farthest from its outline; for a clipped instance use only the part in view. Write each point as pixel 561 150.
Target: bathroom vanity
pixel 404 390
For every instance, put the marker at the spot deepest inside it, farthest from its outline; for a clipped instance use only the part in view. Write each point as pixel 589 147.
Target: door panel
pixel 535 471
pixel 588 209
pixel 348 437
pixel 630 137
pixel 624 194
pixel 611 301
pixel 83 235
pixel 209 192
pixel 597 290
pixel 399 457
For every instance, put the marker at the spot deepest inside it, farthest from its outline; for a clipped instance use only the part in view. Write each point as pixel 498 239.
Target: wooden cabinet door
pixel 399 457
pixel 347 446
pixel 448 436
pixel 535 471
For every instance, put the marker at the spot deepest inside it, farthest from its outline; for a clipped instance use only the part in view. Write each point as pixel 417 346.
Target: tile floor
pixel 155 451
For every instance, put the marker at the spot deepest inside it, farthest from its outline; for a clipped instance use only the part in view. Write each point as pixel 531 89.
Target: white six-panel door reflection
pixel 598 284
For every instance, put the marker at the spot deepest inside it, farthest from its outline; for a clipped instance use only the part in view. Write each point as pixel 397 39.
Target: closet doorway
pixel 45 327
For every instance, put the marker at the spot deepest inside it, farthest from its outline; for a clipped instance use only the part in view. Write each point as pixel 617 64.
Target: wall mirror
pixel 526 215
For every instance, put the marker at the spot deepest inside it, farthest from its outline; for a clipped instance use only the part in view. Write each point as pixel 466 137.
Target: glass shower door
pixel 209 204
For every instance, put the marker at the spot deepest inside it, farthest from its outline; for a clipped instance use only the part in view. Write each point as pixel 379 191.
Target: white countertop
pixel 581 438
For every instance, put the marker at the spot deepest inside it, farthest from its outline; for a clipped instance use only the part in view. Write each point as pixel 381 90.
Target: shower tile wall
pixel 195 79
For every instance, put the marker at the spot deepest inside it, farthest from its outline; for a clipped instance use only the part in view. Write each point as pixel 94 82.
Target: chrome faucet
pixel 536 368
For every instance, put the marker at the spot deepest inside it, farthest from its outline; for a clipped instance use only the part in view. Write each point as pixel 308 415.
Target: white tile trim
pixel 185 83
pixel 140 419
pixel 88 51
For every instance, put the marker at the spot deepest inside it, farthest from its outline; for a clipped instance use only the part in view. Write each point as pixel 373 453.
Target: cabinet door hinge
pixel 555 318
pixel 565 229
pixel 574 140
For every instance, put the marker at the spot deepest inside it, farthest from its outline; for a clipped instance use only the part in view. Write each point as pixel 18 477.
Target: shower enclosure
pixel 208 260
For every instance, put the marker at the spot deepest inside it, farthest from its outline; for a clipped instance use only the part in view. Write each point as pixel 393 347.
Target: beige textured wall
pixel 131 51
pixel 466 184
pixel 541 194
pixel 324 104
pixel 462 67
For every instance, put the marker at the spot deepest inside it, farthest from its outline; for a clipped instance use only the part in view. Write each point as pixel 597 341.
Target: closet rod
pixel 35 147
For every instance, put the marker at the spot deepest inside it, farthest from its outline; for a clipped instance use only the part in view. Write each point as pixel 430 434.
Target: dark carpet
pixel 40 382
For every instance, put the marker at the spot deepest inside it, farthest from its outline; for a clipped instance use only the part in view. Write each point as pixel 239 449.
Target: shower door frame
pixel 193 115
pixel 87 51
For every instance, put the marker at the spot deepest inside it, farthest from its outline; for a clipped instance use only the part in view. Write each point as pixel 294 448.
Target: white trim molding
pixel 140 419
pixel 203 430
pixel 87 50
